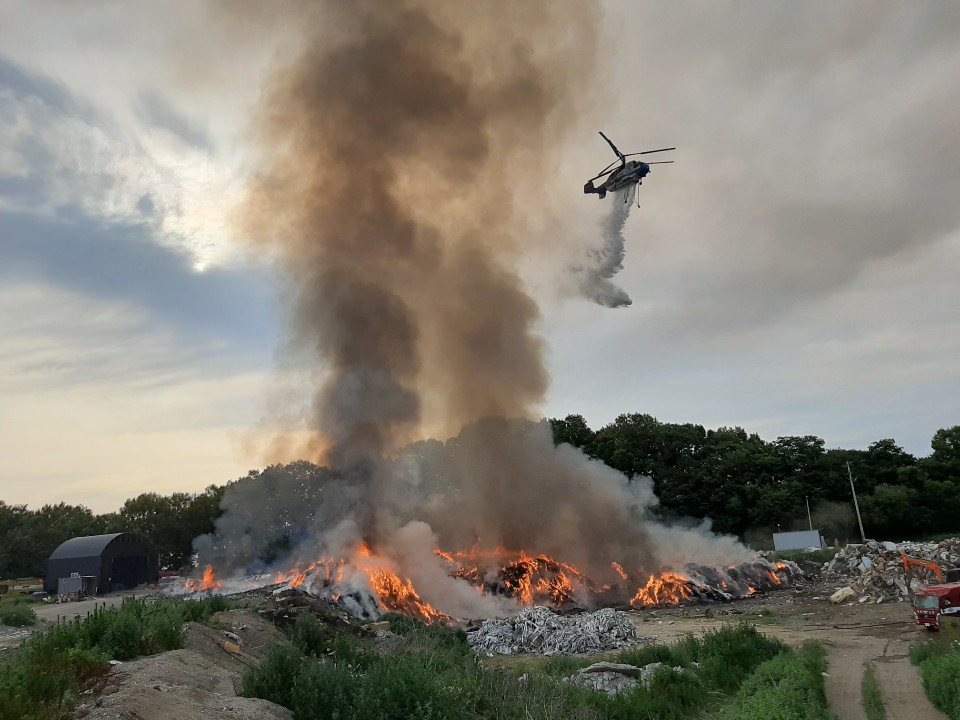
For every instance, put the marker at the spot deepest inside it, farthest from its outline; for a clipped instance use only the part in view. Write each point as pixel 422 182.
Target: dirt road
pixel 48 615
pixel 853 635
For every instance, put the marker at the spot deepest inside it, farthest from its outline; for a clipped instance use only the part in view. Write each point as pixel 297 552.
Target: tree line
pixel 746 485
pixel 28 537
pixel 751 487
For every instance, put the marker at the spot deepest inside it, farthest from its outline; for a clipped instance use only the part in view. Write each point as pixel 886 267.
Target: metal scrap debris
pixel 538 630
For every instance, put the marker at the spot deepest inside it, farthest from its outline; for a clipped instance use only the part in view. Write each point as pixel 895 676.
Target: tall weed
pixel 41 678
pixel 325 675
pixel 788 687
pixel 939 665
pixel 16 614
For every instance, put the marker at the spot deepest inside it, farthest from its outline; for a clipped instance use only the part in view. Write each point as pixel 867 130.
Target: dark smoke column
pixel 391 153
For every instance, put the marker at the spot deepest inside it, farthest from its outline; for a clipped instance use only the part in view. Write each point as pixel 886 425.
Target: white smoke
pixel 606 261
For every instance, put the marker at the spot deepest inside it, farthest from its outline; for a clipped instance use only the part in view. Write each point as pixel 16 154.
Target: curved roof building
pixel 117 561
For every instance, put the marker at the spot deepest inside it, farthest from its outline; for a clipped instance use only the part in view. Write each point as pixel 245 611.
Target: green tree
pixel 573 429
pixel 944 462
pixel 891 512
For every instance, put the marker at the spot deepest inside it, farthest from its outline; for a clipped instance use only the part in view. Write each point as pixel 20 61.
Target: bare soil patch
pixel 196 682
pixel 853 634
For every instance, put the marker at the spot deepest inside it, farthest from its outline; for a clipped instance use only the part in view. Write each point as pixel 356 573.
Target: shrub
pixel 121 641
pixel 326 674
pixel 17 614
pixel 787 687
pixel 41 677
pixel 671 696
pixel 162 629
pixel 401 624
pixel 312 636
pixel 324 690
pixel 821 555
pixel 406 686
pixel 939 665
pixel 273 679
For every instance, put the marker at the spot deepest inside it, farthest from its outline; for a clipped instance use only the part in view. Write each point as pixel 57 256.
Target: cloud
pixel 58 154
pixel 101 404
pixel 122 263
pixel 160 112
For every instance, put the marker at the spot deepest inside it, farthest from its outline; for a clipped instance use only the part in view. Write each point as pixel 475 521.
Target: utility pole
pixel 856 506
pixel 809 518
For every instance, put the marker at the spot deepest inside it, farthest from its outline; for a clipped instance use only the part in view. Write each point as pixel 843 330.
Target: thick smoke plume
pixel 606 261
pixel 392 151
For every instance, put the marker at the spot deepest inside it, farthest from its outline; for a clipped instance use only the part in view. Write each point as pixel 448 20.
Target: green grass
pixel 17 612
pixel 872 698
pixel 939 537
pixel 819 556
pixel 939 664
pixel 323 675
pixel 790 686
pixel 41 679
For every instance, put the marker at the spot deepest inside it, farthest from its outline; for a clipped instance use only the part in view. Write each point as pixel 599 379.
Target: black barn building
pixel 115 561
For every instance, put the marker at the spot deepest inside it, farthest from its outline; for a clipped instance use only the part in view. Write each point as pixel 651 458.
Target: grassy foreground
pixel 939 664
pixel 41 679
pixel 432 674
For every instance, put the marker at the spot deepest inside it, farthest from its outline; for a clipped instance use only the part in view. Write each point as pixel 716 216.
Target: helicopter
pixel 629 172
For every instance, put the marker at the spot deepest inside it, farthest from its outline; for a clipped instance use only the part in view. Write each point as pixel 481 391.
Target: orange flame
pixel 208 583
pixel 398 595
pixel 668 589
pixel 620 571
pixel 528 579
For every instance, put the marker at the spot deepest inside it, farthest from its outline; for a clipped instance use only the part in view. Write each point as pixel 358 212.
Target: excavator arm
pixel 909 562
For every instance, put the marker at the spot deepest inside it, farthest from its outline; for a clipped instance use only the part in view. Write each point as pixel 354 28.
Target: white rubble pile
pixel 874 570
pixel 538 630
pixel 616 678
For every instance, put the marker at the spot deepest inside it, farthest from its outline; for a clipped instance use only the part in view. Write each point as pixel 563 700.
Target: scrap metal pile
pixel 616 678
pixel 874 571
pixel 538 630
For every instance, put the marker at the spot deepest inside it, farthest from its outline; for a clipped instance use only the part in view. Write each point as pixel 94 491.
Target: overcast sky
pixel 793 273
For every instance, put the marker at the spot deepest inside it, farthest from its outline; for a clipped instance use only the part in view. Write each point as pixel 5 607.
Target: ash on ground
pixel 538 630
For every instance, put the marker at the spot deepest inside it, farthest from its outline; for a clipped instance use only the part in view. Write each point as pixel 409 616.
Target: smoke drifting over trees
pixel 390 155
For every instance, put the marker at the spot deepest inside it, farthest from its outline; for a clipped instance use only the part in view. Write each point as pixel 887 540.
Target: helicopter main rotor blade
pixel 614 147
pixel 661 162
pixel 647 152
pixel 603 172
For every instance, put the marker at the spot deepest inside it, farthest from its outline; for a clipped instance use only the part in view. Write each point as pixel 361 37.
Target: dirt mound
pixel 194 683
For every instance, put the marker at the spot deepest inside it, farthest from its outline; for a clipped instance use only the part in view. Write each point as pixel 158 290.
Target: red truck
pixel 931 602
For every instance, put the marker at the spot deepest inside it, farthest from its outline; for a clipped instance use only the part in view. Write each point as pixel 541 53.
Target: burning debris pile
pixel 876 571
pixel 538 630
pixel 379 192
pixel 368 587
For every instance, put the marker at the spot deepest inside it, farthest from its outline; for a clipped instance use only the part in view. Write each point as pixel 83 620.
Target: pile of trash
pixel 538 630
pixel 874 571
pixel 616 678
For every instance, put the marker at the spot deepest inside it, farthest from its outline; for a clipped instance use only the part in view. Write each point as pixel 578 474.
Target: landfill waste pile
pixel 874 571
pixel 538 630
pixel 616 678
